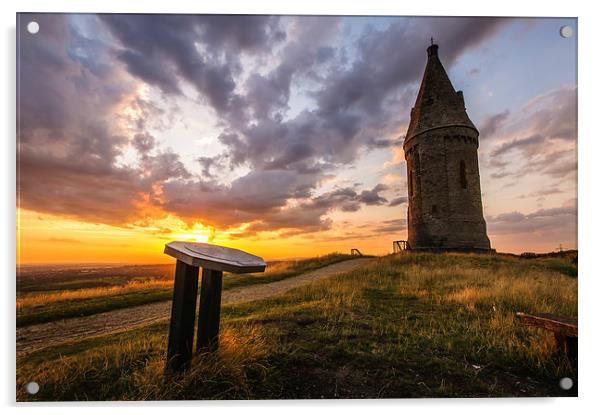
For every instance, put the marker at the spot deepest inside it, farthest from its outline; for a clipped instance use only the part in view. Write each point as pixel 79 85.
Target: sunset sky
pixel 279 135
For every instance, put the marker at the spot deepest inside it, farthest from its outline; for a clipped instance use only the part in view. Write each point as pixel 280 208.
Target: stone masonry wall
pixel 442 214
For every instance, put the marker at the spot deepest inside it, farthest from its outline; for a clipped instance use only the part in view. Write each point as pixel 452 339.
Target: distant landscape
pixel 408 325
pixel 45 295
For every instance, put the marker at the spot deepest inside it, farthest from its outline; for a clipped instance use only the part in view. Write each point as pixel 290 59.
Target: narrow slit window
pixel 411 183
pixel 463 182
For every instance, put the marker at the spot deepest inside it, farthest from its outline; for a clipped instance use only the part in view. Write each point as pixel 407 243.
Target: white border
pixel 590 208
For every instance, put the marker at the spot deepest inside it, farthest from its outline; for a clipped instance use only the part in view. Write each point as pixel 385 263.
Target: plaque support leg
pixel 181 328
pixel 209 310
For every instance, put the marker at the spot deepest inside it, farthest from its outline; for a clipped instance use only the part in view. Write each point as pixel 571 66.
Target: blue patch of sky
pixel 351 30
pixel 354 28
pixel 88 43
pixel 527 58
pixel 89 26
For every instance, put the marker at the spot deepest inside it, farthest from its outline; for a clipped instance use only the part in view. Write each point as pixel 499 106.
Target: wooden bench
pixel 564 329
pixel 214 260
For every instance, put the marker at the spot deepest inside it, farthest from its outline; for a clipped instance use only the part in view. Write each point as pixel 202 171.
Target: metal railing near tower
pixel 400 246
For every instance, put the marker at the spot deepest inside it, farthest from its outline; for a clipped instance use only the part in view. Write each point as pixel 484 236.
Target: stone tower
pixel 445 211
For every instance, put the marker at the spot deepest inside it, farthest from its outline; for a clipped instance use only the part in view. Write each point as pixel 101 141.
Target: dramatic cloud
pixel 202 50
pixel 398 201
pixel 73 130
pixel 370 230
pixel 87 192
pixel 306 53
pixel 67 142
pixel 551 219
pixel 542 192
pixel 355 102
pixel 492 123
pixel 371 197
pixel 391 226
pixel 263 198
pixel 546 142
pixel 529 145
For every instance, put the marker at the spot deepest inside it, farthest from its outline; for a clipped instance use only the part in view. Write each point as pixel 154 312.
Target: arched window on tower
pixel 463 182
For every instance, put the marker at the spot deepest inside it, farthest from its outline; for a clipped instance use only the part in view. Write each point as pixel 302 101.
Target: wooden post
pixel 209 310
pixel 567 346
pixel 181 328
pixel 571 344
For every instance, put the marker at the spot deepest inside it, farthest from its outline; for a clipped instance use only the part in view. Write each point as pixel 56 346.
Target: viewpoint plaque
pixel 214 260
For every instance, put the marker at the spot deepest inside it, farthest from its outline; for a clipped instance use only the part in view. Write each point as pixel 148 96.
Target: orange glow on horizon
pixel 44 238
pixel 47 239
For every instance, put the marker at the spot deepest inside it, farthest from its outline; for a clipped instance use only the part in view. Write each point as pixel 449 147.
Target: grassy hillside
pixel 412 325
pixel 90 296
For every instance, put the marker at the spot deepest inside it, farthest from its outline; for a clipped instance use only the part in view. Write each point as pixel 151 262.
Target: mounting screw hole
pixel 32 388
pixel 566 383
pixel 566 31
pixel 33 27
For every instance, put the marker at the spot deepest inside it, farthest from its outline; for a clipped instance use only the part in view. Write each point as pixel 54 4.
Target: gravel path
pixel 47 334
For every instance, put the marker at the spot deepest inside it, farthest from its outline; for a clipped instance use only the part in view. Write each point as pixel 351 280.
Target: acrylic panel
pixel 295 207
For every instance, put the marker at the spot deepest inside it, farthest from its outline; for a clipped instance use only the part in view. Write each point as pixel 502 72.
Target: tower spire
pixel 437 102
pixel 445 211
pixel 432 49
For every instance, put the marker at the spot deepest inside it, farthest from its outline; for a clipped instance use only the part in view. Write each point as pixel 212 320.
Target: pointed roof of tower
pixel 437 104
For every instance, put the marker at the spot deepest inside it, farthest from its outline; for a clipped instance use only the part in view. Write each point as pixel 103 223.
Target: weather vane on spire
pixel 432 41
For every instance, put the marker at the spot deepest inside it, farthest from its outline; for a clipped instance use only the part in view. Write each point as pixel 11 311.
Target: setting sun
pixel 198 233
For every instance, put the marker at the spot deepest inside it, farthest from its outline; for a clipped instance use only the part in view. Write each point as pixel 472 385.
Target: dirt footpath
pixel 47 334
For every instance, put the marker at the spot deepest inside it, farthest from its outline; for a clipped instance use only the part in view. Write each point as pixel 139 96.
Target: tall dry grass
pixel 453 302
pixel 32 300
pixel 133 370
